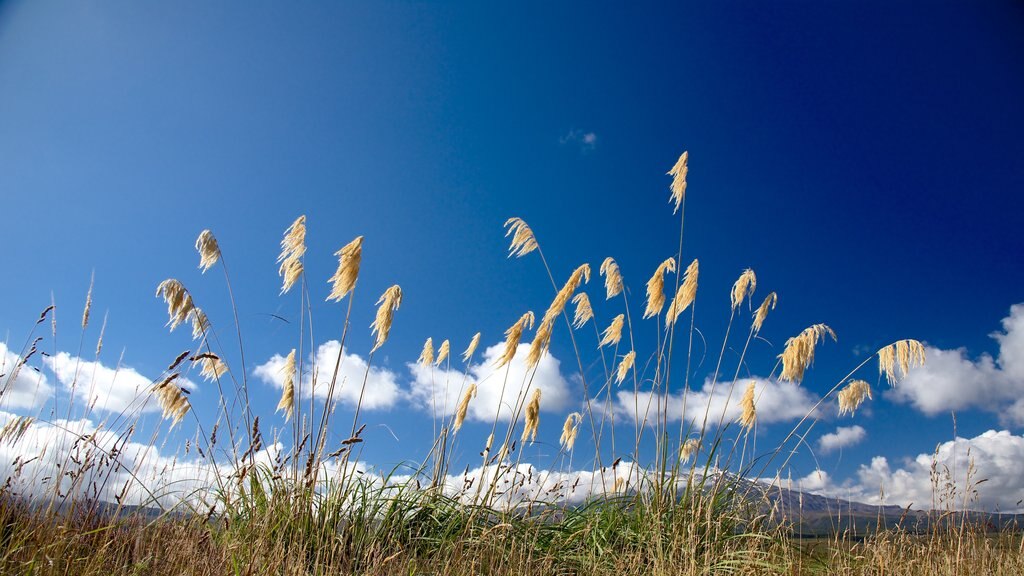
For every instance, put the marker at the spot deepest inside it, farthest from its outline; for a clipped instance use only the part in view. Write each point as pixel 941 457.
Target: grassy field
pixel 312 508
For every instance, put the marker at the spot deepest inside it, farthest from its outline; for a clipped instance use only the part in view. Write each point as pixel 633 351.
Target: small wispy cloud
pixel 586 141
pixel 843 436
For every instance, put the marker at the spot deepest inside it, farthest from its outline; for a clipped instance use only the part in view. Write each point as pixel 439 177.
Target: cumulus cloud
pixel 951 380
pixel 997 458
pixel 442 389
pixel 586 141
pixel 21 386
pixel 104 388
pixel 843 436
pixel 381 384
pixel 774 401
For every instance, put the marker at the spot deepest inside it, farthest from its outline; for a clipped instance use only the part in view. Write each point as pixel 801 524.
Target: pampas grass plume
pixel 344 279
pixel 88 302
pixel 583 310
pixel 685 295
pixel 762 311
pixel 179 302
pixel 799 352
pixel 749 415
pixel 427 355
pixel 532 417
pixel 293 246
pixel 209 250
pixel 743 287
pixel 612 278
pixel 613 333
pixel 471 348
pixel 678 174
pixel 896 359
pixel 569 430
pixel 852 396
pixel 287 403
pixel 656 288
pixel 523 241
pixel 625 365
pixel 512 337
pixel 463 407
pixel 389 301
pixel 442 352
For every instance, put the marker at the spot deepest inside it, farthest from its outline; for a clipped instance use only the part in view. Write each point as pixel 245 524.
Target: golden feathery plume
pixel 172 400
pixel 896 359
pixel 852 396
pixel 749 415
pixel 613 333
pixel 541 342
pixel 442 352
pixel 88 303
pixel 344 279
pixel 612 278
pixel 389 301
pixel 624 366
pixel 523 241
pixel 293 246
pixel 744 286
pixel 569 430
pixel 427 355
pixel 512 337
pixel 532 417
pixel 460 411
pixel 179 302
pixel 471 348
pixel 656 288
pixel 209 250
pixel 620 484
pixel 542 339
pixel 287 402
pixel 99 341
pixel 200 323
pixel 688 449
pixel 213 367
pixel 799 352
pixel 762 311
pixel 678 187
pixel 583 310
pixel 685 295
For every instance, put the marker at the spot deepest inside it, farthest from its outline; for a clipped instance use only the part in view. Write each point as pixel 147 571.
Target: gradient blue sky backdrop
pixel 863 158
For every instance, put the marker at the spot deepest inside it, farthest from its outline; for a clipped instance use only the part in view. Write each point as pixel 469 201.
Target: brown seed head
pixel 209 251
pixel 386 306
pixel 463 407
pixel 612 278
pixel 678 187
pixel 656 288
pixel 762 311
pixel 624 366
pixel 749 415
pixel 471 348
pixel 442 352
pixel 523 241
pixel 799 352
pixel 512 337
pixel 744 286
pixel 287 402
pixel 570 429
pixel 532 417
pixel 613 333
pixel 583 310
pixel 344 279
pixel 896 359
pixel 852 396
pixel 427 355
pixel 685 295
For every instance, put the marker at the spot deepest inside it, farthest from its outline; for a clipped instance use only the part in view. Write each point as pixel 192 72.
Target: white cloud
pixel 587 141
pixel 381 384
pixel 774 401
pixel 842 437
pixel 443 389
pixel 22 386
pixel 950 380
pixel 997 458
pixel 103 388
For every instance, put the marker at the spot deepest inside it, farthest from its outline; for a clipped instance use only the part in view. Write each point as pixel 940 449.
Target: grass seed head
pixel 287 403
pixel 685 295
pixel 213 367
pixel 896 359
pixel 172 400
pixel 627 362
pixel 200 323
pixel 583 312
pixel 471 348
pixel 532 417
pixel 512 337
pixel 688 449
pixel 293 246
pixel 88 303
pixel 569 430
pixel 743 287
pixel 442 352
pixel 852 396
pixel 427 355
pixel 799 352
pixel 179 302
pixel 762 311
pixel 656 288
pixel 389 301
pixel 463 407
pixel 613 333
pixel 523 241
pixel 749 415
pixel 541 342
pixel 209 250
pixel 612 278
pixel 678 187
pixel 344 279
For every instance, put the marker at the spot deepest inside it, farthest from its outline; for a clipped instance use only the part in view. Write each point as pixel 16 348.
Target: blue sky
pixel 862 158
